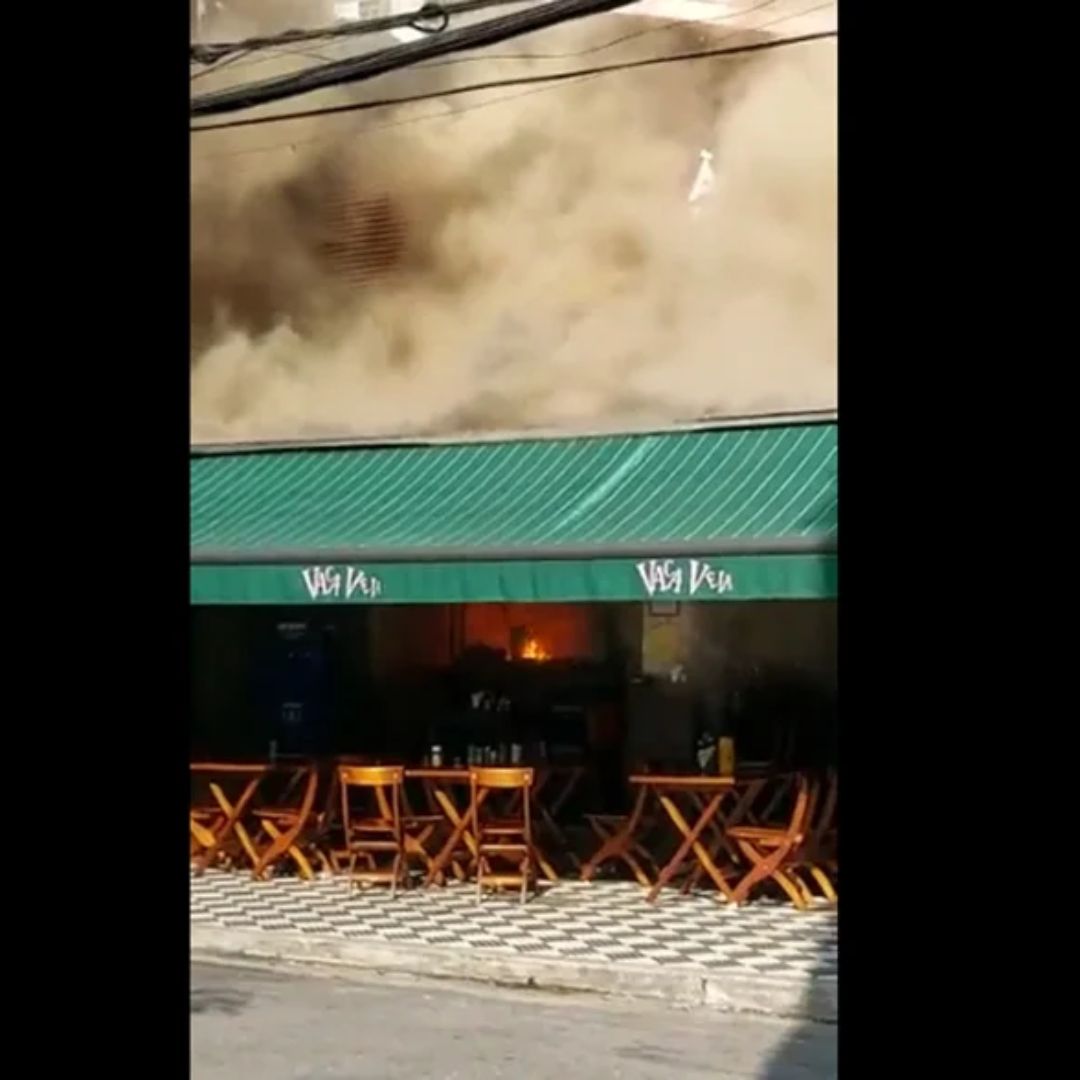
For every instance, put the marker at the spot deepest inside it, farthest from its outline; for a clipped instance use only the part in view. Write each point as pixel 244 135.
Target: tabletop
pixel 691 782
pixel 437 772
pixel 246 769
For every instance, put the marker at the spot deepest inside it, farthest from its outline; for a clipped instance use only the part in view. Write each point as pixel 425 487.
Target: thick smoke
pixel 552 273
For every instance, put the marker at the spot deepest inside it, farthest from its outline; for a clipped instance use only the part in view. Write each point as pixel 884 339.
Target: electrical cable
pixel 374 129
pixel 244 60
pixel 210 52
pixel 280 53
pixel 675 24
pixel 382 61
pixel 525 80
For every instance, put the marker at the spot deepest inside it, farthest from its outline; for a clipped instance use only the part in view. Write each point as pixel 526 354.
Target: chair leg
pixel 796 875
pixel 763 867
pixel 637 869
pixel 824 883
pixel 794 891
pixel 325 864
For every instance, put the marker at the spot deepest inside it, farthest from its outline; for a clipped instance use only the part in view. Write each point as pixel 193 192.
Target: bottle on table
pixel 725 756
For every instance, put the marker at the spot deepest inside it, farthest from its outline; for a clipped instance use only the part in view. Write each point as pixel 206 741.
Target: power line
pixel 226 62
pixel 668 28
pixel 382 61
pixel 279 52
pixel 210 52
pixel 374 129
pixel 525 80
pixel 267 55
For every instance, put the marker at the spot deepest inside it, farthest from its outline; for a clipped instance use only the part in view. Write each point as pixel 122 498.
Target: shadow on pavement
pixel 810 1051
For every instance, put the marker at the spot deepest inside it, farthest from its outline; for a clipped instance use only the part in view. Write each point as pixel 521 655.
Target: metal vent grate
pixel 365 238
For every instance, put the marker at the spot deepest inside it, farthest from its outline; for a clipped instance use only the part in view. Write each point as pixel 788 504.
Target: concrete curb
pixel 685 986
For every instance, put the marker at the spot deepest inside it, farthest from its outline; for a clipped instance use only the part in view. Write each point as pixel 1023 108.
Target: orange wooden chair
pixel 420 831
pixel 803 851
pixel 621 837
pixel 817 859
pixel 775 809
pixel 617 841
pixel 287 820
pixel 506 839
pixel 221 795
pixel 371 823
pixel 772 851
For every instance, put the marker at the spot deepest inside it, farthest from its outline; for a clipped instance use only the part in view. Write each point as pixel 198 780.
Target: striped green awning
pixel 723 514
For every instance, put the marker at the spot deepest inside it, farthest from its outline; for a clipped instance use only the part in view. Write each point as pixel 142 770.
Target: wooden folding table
pixel 448 789
pixel 555 784
pixel 620 839
pixel 705 798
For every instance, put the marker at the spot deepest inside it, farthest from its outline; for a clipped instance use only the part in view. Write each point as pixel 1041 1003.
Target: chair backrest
pixel 375 779
pixel 777 799
pixel 823 813
pixel 371 775
pixel 504 779
pixel 330 805
pixel 495 778
pixel 806 795
pixel 286 784
pixel 306 790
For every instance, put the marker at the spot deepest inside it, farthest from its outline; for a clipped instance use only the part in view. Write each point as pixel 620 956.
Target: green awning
pixel 730 514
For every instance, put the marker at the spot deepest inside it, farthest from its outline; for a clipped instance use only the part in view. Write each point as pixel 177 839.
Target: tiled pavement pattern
pixel 605 922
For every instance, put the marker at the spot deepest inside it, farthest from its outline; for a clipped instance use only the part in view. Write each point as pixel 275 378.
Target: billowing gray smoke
pixel 551 273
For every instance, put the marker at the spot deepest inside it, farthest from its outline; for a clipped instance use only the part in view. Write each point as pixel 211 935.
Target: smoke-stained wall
pixel 549 271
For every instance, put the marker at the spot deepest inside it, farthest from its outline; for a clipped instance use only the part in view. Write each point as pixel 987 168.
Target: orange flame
pixel 533 650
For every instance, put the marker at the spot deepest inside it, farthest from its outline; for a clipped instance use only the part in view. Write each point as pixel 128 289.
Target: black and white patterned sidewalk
pixel 607 923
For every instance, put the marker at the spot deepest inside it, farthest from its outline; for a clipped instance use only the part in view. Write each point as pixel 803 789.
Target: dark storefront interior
pixel 604 685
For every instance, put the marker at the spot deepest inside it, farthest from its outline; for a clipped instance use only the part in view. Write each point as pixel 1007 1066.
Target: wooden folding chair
pixel 744 798
pixel 221 794
pixel 373 825
pixel 816 859
pixel 450 817
pixel 286 819
pixel 617 841
pixel 620 838
pixel 508 839
pixel 776 802
pixel 777 853
pixel 419 831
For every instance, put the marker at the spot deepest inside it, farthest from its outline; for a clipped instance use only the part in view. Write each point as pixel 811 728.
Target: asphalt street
pixel 275 1024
